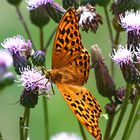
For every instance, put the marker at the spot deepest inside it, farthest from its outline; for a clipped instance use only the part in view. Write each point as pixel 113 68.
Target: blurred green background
pixel 60 117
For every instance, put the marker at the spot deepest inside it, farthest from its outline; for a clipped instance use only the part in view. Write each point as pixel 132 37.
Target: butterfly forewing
pixel 67 44
pixel 84 106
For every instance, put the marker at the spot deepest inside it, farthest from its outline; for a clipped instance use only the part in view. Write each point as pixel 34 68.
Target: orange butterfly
pixel 70 70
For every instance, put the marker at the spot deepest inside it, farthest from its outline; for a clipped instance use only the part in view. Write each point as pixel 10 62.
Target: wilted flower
pixel 122 55
pixel 33 4
pixel 110 108
pixel 65 136
pixel 130 21
pixel 89 19
pixel 33 79
pixel 17 44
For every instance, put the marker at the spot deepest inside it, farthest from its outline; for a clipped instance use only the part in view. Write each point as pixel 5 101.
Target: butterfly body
pixel 70 71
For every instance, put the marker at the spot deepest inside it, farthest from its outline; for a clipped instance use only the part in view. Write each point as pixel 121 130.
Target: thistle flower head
pixel 130 21
pixel 65 136
pixel 89 19
pixel 5 58
pixel 33 4
pixel 33 79
pixel 17 44
pixel 122 55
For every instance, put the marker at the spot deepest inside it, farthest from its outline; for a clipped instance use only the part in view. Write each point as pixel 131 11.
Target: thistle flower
pixel 89 19
pixel 33 79
pixel 130 21
pixel 18 44
pixel 65 136
pixel 33 4
pixel 122 55
pixel 124 58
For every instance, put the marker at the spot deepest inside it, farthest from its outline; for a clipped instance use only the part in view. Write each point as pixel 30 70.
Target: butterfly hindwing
pixel 67 44
pixel 83 105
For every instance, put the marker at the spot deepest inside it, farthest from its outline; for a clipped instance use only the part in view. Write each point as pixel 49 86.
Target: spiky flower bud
pixel 69 3
pixel 120 6
pixel 102 2
pixel 39 17
pixel 55 11
pixel 29 98
pixel 38 58
pixel 89 19
pixel 14 2
pixel 105 84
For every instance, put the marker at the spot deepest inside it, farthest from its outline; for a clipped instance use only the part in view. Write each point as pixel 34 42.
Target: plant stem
pixel 82 131
pixel 50 39
pixel 109 126
pixel 24 124
pixel 136 118
pixel 27 123
pixel 131 116
pixel 124 106
pixel 41 39
pixel 24 25
pixel 45 107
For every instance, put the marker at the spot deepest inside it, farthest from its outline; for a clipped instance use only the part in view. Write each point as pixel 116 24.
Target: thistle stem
pixel 45 107
pixel 24 25
pixel 50 39
pixel 123 109
pixel 109 126
pixel 136 118
pixel 82 131
pixel 131 116
pixel 24 124
pixel 41 39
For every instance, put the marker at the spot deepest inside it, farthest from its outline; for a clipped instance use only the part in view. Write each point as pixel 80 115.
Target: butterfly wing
pixel 84 106
pixel 67 45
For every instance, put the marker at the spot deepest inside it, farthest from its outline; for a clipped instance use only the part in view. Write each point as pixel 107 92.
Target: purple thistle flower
pixel 33 4
pixel 33 79
pixel 17 44
pixel 122 55
pixel 5 58
pixel 131 21
pixel 65 136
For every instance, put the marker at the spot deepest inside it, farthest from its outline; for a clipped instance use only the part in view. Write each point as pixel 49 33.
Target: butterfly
pixel 70 71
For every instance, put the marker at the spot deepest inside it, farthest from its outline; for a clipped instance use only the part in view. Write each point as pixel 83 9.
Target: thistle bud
pixel 102 2
pixel 55 11
pixel 29 98
pixel 91 2
pixel 39 17
pixel 105 84
pixel 20 62
pixel 110 108
pixel 14 2
pixel 69 3
pixel 38 58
